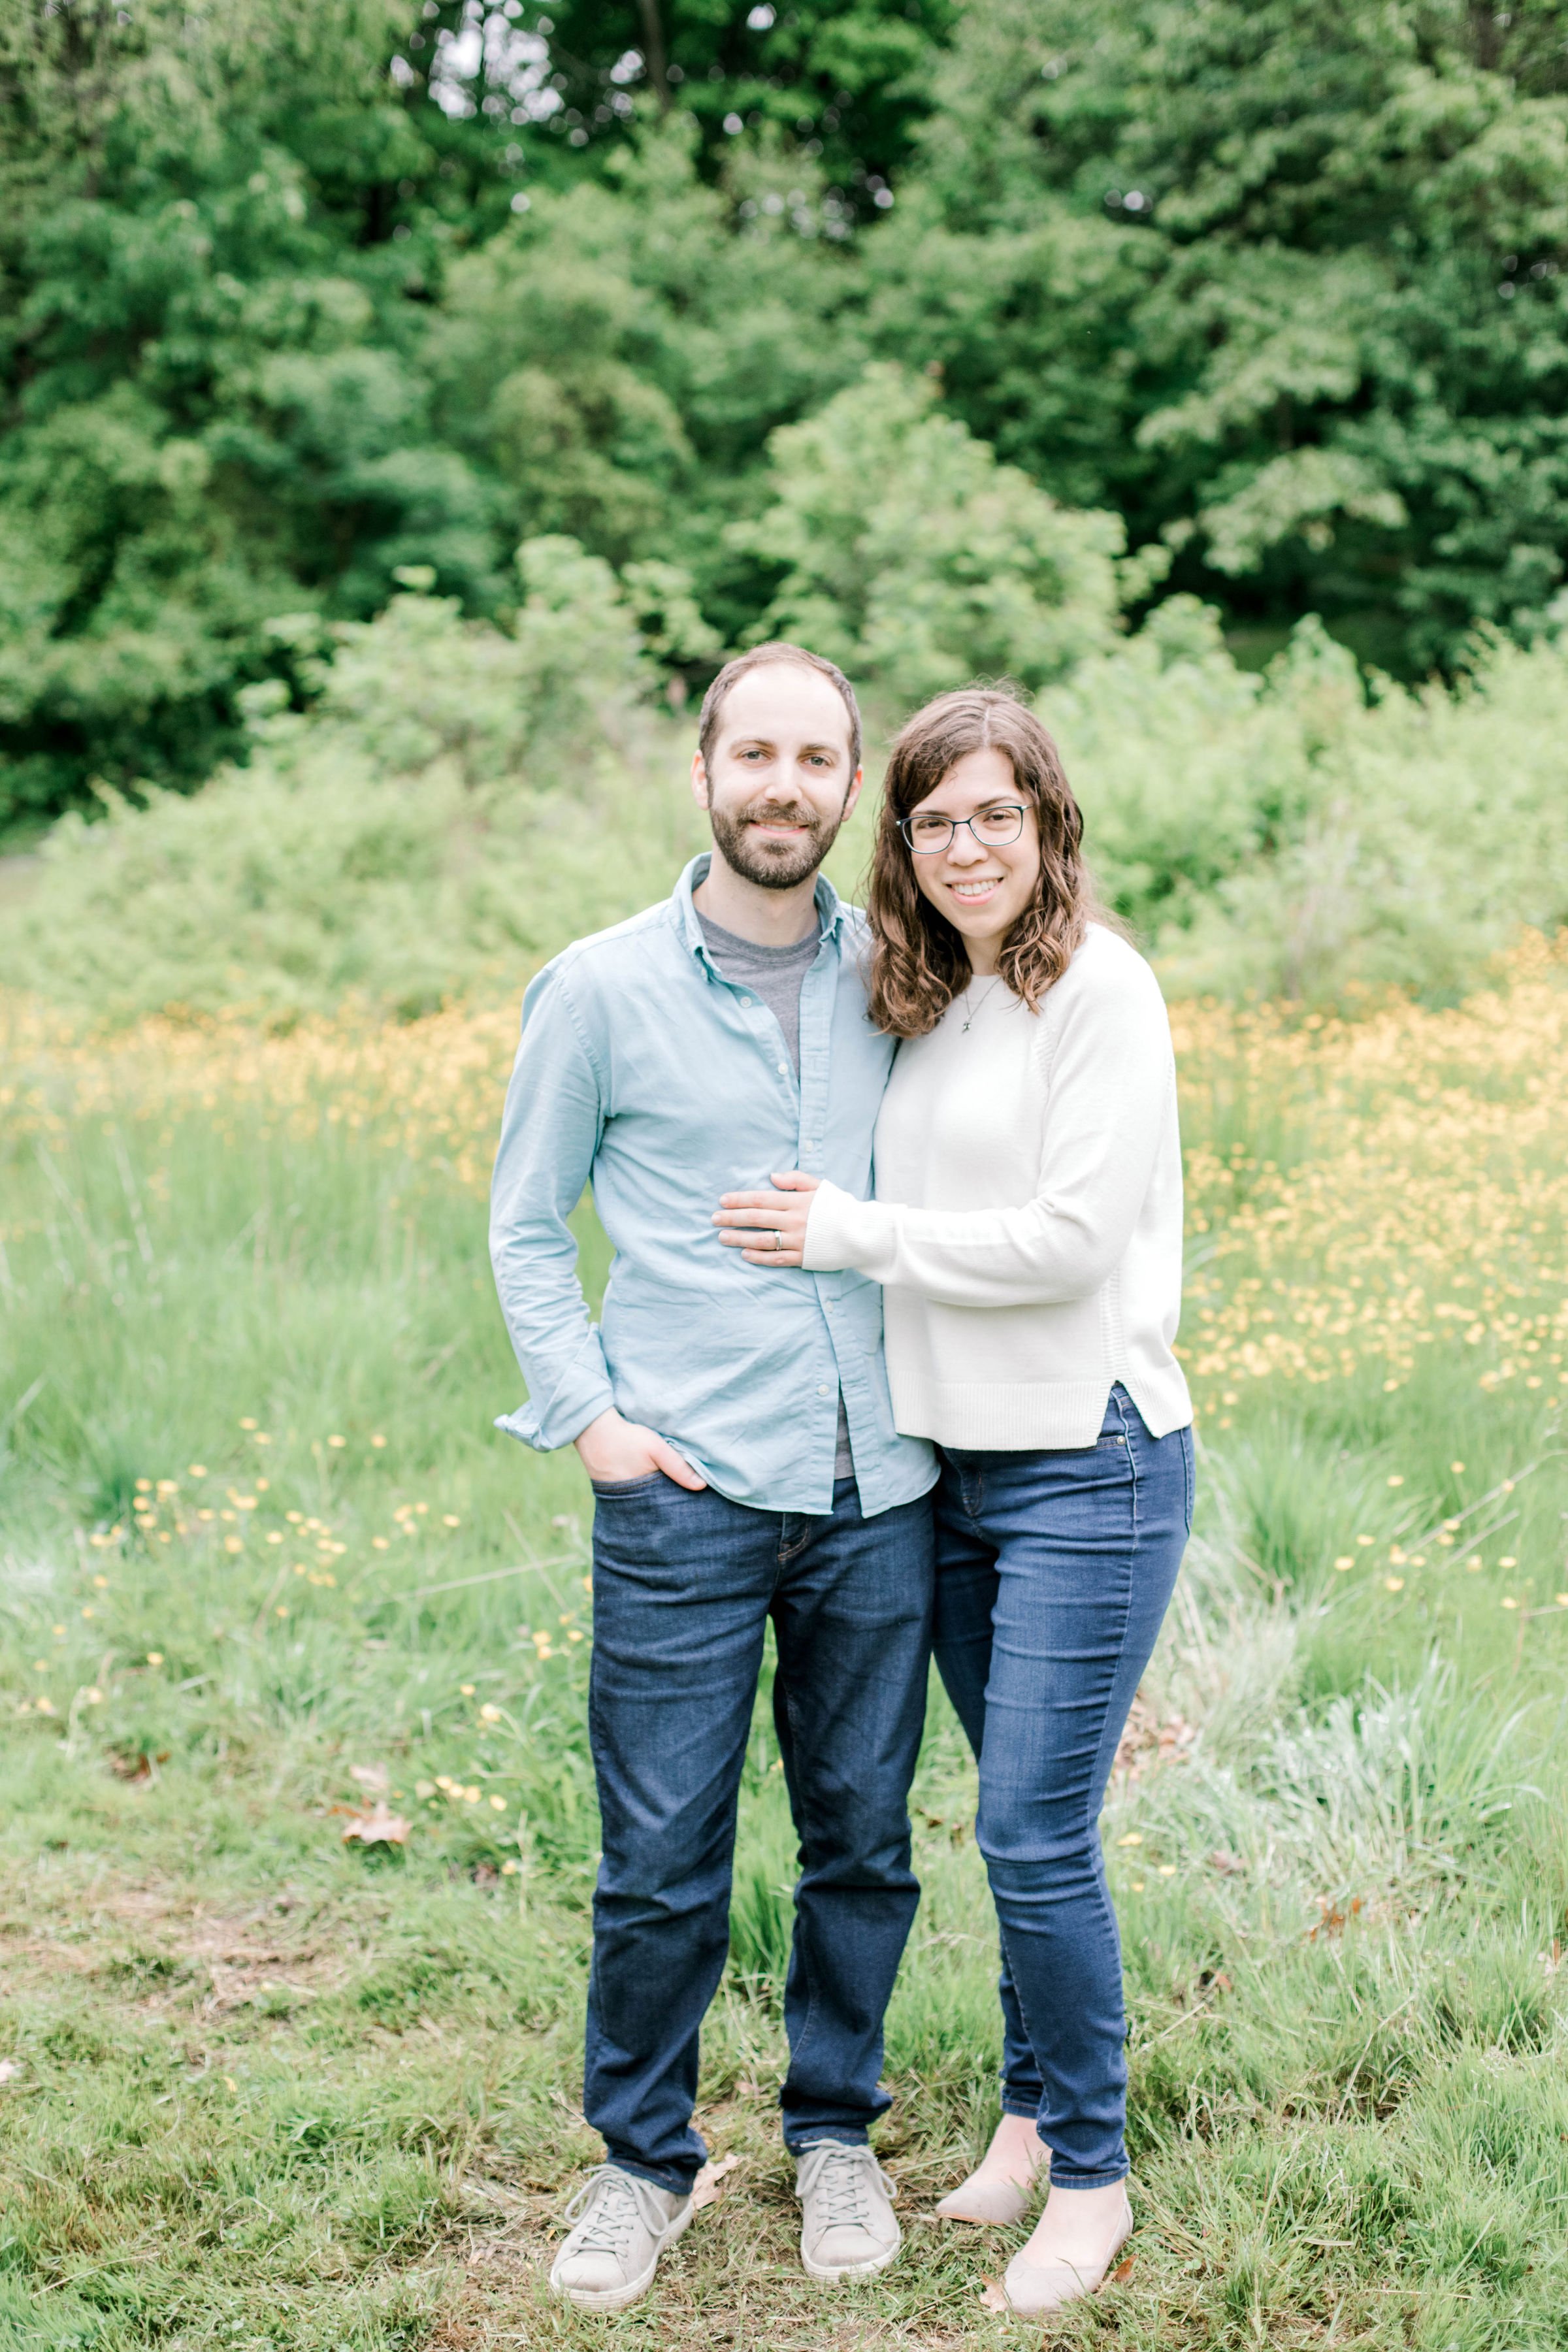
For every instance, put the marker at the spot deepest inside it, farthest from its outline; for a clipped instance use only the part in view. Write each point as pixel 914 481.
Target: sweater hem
pixel 982 1417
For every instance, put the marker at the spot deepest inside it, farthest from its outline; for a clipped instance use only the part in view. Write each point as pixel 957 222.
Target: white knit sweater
pixel 1027 1219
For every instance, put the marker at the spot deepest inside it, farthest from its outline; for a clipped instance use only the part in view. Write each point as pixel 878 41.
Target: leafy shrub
pixel 461 799
pixel 1283 835
pixel 458 799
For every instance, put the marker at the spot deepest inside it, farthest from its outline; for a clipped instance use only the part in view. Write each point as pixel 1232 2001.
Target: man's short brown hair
pixel 759 656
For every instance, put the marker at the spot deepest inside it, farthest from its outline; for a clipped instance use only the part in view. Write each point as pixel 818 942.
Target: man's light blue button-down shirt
pixel 643 1072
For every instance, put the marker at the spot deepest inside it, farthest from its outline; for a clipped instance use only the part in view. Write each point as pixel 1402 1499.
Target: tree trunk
pixel 653 51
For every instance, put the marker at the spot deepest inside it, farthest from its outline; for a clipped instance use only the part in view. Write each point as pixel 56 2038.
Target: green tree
pixel 915 559
pixel 275 330
pixel 614 361
pixel 1283 284
pixel 849 80
pixel 298 294
pixel 209 395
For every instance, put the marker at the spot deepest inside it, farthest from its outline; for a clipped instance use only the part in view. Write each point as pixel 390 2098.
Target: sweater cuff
pixel 843 1233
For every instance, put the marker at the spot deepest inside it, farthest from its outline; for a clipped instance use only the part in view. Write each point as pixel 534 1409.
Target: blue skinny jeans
pixel 1054 1571
pixel 684 1586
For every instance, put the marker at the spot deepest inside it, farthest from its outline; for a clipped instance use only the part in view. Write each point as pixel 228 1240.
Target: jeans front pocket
pixel 608 1489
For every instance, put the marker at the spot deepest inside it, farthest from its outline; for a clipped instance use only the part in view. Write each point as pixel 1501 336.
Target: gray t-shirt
pixel 775 974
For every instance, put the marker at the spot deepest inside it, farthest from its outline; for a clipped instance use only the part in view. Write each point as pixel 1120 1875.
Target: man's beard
pixel 772 865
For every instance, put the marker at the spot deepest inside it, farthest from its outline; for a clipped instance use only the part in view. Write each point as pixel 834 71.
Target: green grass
pixel 266 2090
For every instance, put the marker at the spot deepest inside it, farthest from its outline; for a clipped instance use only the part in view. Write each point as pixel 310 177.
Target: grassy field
pixel 266 1565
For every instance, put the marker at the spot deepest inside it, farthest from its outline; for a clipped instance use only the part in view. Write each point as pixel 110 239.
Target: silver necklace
pixel 994 981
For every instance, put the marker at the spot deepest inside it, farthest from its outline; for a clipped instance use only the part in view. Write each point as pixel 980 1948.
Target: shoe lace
pixel 612 2202
pixel 842 2177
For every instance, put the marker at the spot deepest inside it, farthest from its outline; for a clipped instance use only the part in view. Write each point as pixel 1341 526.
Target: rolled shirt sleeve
pixel 550 1133
pixel 1110 1072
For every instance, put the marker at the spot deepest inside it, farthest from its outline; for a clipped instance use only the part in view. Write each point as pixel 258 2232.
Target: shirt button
pixel 784 1069
pixel 823 1392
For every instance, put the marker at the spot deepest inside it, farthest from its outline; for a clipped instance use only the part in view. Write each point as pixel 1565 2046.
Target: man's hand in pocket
pixel 614 1450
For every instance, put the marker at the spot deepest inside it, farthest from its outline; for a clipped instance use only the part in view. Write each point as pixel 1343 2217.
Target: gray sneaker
pixel 612 2255
pixel 846 2228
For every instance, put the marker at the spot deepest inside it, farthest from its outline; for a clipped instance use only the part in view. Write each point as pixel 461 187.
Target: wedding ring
pixel 778 1238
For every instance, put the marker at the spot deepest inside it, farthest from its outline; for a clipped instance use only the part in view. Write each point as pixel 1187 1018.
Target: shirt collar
pixel 830 905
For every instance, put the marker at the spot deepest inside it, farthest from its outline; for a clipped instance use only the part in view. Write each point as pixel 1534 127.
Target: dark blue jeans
pixel 1053 1570
pixel 683 1587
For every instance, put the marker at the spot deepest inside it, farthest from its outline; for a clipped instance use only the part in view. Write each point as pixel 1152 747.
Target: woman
pixel 1027 1230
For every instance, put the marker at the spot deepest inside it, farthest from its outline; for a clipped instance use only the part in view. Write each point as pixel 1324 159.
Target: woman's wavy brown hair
pixel 918 962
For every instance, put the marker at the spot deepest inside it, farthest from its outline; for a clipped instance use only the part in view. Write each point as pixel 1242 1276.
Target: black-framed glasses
pixel 994 828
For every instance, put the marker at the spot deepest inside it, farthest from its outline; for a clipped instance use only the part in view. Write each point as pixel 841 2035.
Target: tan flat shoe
pixel 997 2199
pixel 996 2202
pixel 1039 2288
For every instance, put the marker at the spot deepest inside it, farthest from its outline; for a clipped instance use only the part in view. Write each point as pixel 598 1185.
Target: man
pixel 740 1444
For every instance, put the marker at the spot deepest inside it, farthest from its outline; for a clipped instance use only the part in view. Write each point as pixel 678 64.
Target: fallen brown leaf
pixel 1146 1742
pixel 709 2185
pixel 995 2298
pixel 376 1827
pixel 1122 2271
pixel 1334 1919
pixel 374 1777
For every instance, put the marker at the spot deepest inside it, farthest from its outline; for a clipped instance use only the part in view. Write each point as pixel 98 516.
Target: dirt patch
pixel 156 1946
